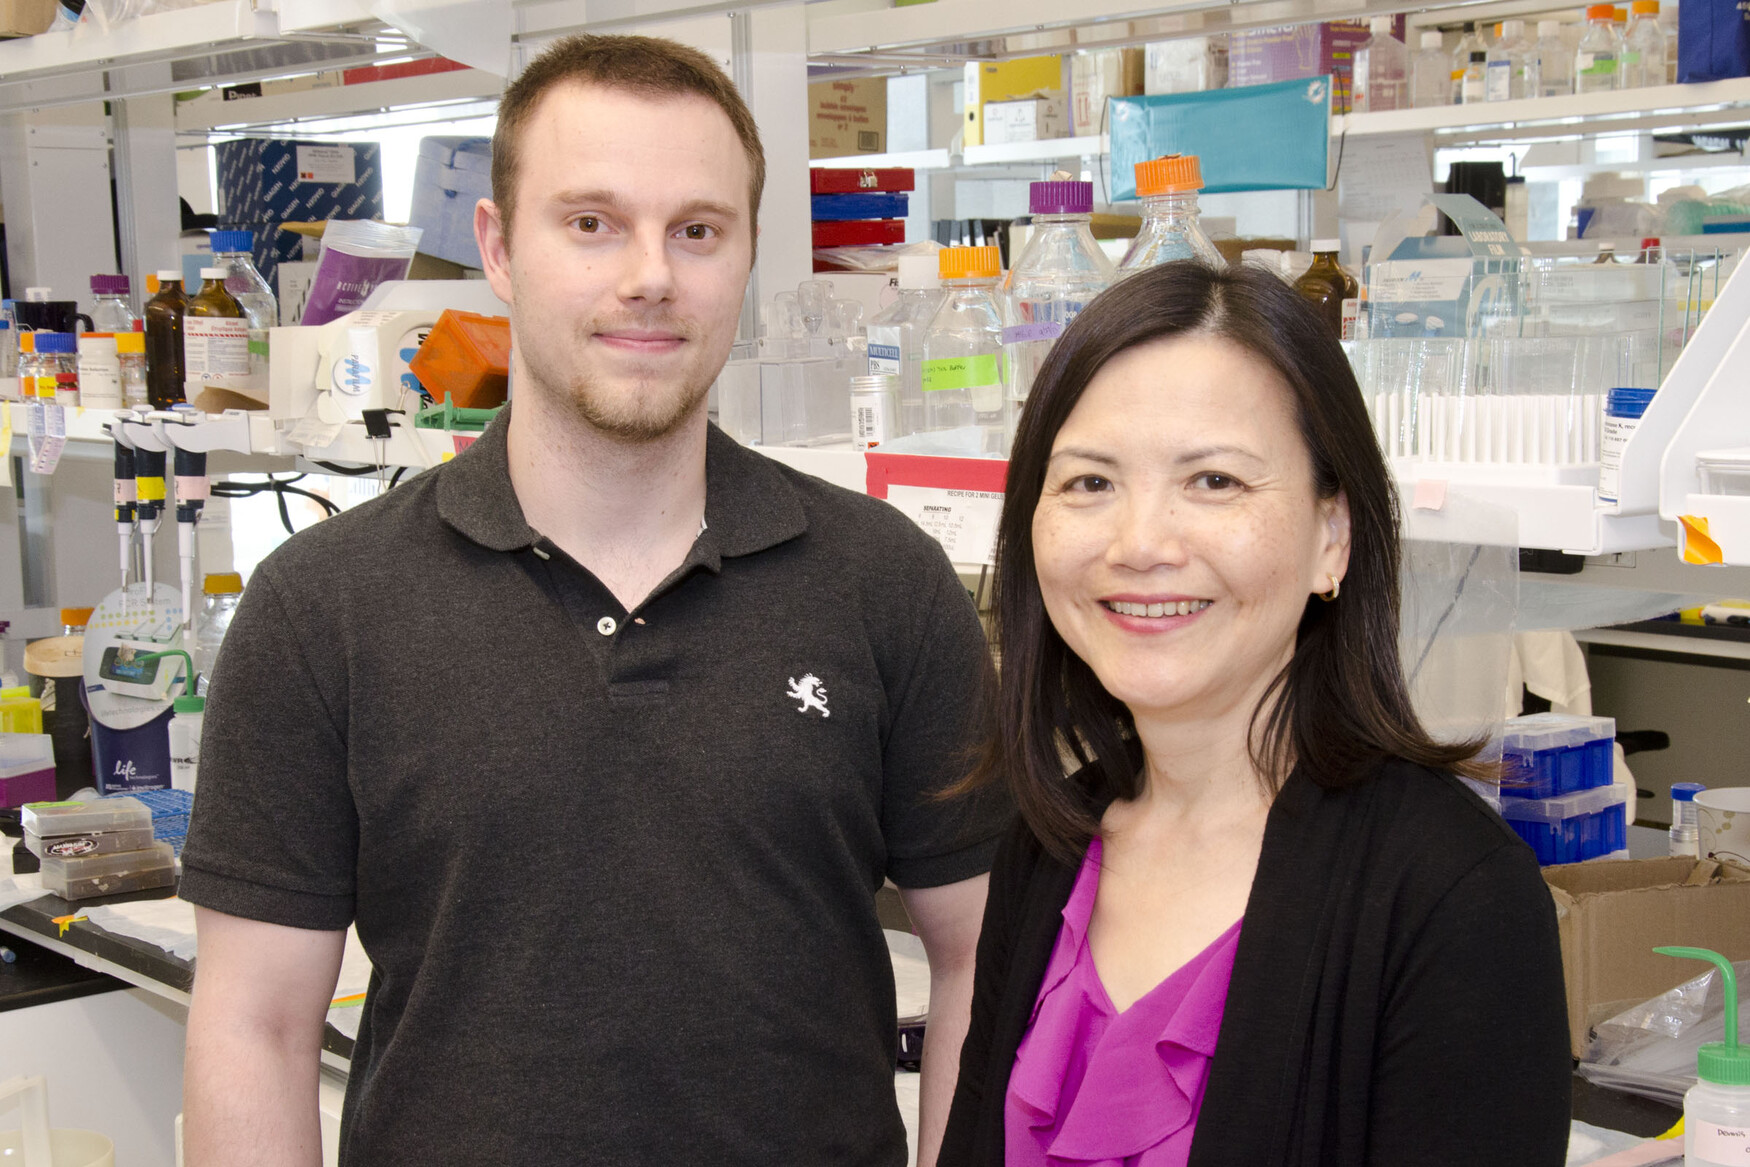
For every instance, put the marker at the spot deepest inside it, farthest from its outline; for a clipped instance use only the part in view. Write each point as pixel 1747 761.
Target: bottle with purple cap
pixel 110 308
pixel 1060 270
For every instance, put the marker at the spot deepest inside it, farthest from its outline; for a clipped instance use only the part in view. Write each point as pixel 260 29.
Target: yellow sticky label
pixel 1698 545
pixel 961 373
pixel 151 489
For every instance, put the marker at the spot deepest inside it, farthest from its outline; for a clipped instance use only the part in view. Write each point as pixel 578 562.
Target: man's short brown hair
pixel 647 66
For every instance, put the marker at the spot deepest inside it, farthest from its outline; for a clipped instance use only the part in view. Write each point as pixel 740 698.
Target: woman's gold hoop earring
pixel 1336 589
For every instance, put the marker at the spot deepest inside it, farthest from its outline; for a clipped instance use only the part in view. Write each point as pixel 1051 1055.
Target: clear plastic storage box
pixel 47 820
pixel 1724 471
pixel 105 875
pixel 27 768
pixel 1572 827
pixel 1547 754
pixel 91 843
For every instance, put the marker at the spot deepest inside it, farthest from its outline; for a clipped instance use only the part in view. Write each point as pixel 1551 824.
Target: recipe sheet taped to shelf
pixel 964 522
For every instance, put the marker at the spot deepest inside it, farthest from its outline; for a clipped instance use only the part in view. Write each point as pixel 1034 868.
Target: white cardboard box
pixel 1033 119
pixel 1188 65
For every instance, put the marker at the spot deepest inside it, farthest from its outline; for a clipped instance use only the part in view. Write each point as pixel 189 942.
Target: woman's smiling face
pixel 1179 532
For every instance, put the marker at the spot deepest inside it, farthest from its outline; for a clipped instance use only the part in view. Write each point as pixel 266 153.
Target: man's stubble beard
pixel 625 419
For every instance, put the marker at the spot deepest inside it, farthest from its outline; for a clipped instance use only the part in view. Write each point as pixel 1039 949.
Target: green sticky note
pixel 961 373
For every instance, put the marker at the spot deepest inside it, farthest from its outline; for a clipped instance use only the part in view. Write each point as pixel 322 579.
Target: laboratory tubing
pixel 963 347
pixel 110 308
pixel 1170 229
pixel 1645 49
pixel 1060 271
pixel 1461 59
pixel 1382 70
pixel 222 592
pixel 215 336
pixel 1326 286
pixel 165 364
pixel 56 368
pixel 1623 409
pixel 130 350
pixel 874 410
pixel 1685 827
pixel 896 337
pixel 1598 62
pixel 1716 1110
pixel 100 370
pixel 1431 72
pixel 1555 61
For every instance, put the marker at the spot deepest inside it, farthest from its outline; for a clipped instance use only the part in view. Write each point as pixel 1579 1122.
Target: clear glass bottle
pixel 130 349
pixel 1382 70
pixel 165 358
pixel 1060 270
pixel 29 368
pixel 233 253
pixel 1469 43
pixel 1643 61
pixel 963 346
pixel 1506 64
pixel 1473 84
pixel 215 336
pixel 1555 61
pixel 1431 72
pixel 221 592
pixel 1170 230
pixel 1598 63
pixel 55 367
pixel 896 337
pixel 111 310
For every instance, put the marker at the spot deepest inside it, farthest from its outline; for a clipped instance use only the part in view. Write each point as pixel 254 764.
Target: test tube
pixel 1685 828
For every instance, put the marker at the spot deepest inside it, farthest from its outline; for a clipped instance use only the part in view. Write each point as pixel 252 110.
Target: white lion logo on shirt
pixel 811 693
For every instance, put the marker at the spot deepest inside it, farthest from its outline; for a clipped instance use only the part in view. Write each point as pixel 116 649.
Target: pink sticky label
pixel 1022 333
pixel 1430 494
pixel 190 489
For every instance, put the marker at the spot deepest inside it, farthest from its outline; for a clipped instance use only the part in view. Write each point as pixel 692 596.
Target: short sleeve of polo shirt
pixel 938 706
pixel 274 833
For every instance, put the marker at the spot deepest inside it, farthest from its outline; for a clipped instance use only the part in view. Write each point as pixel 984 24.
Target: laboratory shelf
pixel 913 159
pixel 373 97
pixel 1049 150
pixel 1656 107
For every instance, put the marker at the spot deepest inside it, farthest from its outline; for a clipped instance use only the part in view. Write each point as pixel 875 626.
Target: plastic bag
pixel 1650 1049
pixel 357 255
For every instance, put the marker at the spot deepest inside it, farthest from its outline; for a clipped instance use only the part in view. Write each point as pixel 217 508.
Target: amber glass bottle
pixel 1325 285
pixel 164 365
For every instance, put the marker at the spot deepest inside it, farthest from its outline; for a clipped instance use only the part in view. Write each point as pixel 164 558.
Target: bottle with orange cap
pixel 1643 60
pixel 1168 189
pixel 963 347
pixel 1598 63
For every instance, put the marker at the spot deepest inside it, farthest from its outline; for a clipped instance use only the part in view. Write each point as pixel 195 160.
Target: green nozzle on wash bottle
pixel 1716 1110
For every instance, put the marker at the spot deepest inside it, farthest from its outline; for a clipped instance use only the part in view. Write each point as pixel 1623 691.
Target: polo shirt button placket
pixel 606 626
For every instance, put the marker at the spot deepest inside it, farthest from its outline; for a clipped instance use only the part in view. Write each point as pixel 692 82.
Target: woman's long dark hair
pixel 1339 706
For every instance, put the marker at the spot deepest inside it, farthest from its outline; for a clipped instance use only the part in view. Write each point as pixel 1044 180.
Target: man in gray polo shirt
pixel 604 734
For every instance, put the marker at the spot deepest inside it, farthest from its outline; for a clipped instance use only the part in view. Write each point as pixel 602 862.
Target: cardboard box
pixel 1295 52
pixel 988 81
pixel 25 17
pixel 1189 65
pixel 826 180
pixel 1096 75
pixel 1612 913
pixel 847 117
pixel 1032 119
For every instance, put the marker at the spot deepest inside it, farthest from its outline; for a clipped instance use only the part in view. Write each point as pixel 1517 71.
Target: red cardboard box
pixel 832 180
pixel 859 232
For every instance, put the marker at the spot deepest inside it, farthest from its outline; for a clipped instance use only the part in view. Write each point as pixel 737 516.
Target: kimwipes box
pixel 25 17
pixel 1611 915
pixel 847 117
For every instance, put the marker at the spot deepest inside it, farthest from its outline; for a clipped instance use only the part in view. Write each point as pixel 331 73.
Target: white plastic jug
pixel 36 1145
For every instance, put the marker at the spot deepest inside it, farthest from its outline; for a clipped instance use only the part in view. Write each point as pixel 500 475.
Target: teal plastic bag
pixel 1259 137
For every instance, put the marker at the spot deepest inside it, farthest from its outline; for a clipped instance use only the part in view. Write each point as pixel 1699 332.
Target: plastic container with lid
pixel 1555 62
pixel 110 308
pixel 19 711
pixel 84 876
pixel 1623 409
pixel 1170 231
pixel 56 367
pixel 27 767
pixel 130 350
pixel 54 820
pixel 1716 1110
pixel 1431 72
pixel 1685 826
pixel 963 346
pixel 221 593
pixel 874 410
pixel 1058 274
pixel 1382 70
pixel 1570 828
pixel 465 360
pixel 1725 471
pixel 1598 62
pixel 1549 754
pixel 185 741
pixel 1644 48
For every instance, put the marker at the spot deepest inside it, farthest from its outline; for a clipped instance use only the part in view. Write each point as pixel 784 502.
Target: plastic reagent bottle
pixel 1623 409
pixel 1431 73
pixel 1685 827
pixel 215 336
pixel 57 367
pixel 130 350
pixel 1168 189
pixel 165 364
pixel 1505 79
pixel 1060 270
pixel 963 346
pixel 1716 1110
pixel 1644 58
pixel 896 337
pixel 874 410
pixel 1469 43
pixel 1598 63
pixel 1555 63
pixel 1473 85
pixel 185 741
pixel 232 253
pixel 221 593
pixel 110 310
pixel 1382 70
pixel 100 370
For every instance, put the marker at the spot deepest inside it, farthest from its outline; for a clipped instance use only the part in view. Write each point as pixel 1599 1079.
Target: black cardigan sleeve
pixel 1472 1065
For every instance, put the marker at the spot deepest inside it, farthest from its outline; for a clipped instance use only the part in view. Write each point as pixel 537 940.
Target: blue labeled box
pixel 1548 754
pixel 1571 828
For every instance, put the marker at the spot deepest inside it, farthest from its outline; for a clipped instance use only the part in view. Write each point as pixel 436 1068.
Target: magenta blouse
pixel 1098 1088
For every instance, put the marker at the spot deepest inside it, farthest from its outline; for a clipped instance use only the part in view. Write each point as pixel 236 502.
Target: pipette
pixel 148 505
pixel 192 491
pixel 124 499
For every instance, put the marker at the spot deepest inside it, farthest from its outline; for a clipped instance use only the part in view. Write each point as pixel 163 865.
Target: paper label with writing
pixel 48 436
pixel 964 522
pixel 215 348
pixel 327 164
pixel 1039 330
pixel 962 373
pixel 1722 1144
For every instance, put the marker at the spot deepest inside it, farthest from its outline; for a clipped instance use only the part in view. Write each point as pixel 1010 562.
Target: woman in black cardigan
pixel 1197 602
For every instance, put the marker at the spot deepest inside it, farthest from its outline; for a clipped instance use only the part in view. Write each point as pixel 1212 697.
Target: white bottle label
pixel 1498 81
pixel 1617 431
pixel 100 385
pixel 884 349
pixel 1722 1144
pixel 1473 89
pixel 870 423
pixel 215 349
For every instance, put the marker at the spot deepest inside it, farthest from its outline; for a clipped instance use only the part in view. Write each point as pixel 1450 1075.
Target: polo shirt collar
pixel 749 502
